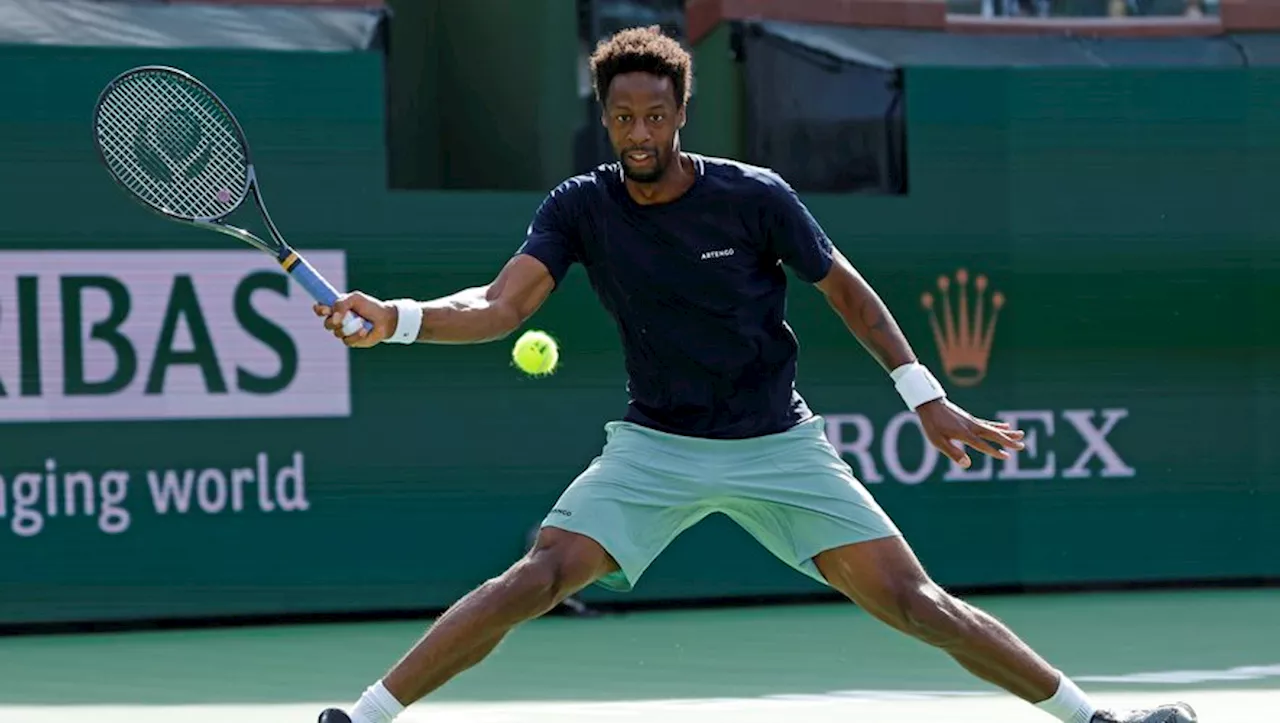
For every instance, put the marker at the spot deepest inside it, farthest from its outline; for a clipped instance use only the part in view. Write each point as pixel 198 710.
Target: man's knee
pixel 930 614
pixel 886 579
pixel 560 564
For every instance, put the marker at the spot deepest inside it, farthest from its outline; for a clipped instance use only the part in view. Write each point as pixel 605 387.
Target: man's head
pixel 642 80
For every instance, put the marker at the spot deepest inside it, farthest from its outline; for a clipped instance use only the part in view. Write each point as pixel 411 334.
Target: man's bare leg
pixel 885 578
pixel 560 564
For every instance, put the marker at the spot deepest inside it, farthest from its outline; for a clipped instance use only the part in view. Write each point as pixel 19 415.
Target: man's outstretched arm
pixel 471 316
pixel 865 314
pixel 946 425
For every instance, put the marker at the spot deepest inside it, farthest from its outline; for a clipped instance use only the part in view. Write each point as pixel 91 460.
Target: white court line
pixel 1214 706
pixel 1182 677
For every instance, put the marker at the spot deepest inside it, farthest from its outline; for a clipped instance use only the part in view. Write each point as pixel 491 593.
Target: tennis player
pixel 687 254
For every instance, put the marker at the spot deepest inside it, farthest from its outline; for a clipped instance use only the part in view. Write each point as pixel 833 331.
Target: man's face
pixel 643 119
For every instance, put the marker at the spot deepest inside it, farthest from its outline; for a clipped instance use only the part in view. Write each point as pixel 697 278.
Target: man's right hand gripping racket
pixel 176 148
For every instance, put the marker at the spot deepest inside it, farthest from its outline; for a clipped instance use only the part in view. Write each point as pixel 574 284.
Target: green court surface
pixel 1219 650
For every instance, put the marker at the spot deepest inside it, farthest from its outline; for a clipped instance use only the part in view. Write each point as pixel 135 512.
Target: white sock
pixel 1069 704
pixel 377 705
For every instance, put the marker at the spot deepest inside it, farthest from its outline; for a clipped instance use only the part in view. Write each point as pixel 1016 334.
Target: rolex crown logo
pixel 963 336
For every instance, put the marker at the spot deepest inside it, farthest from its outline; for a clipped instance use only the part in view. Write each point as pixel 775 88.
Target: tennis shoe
pixel 1173 713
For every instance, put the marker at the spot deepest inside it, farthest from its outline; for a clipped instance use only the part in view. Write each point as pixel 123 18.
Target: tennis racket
pixel 175 147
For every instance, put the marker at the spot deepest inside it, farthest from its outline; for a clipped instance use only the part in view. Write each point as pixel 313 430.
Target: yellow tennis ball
pixel 536 353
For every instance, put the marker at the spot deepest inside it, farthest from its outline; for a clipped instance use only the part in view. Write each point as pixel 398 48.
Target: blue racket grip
pixel 321 290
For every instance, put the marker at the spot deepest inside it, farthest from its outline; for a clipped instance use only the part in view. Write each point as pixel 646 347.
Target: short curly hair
pixel 642 50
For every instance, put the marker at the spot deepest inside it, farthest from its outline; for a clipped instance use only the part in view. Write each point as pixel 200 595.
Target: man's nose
pixel 638 133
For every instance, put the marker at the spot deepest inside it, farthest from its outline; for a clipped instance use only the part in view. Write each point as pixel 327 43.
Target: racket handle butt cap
pixel 352 323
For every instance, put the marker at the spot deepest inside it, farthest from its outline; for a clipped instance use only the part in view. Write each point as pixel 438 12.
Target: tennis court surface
pixel 1219 650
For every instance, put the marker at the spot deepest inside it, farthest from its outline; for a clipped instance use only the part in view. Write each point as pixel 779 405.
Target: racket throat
pixel 289 260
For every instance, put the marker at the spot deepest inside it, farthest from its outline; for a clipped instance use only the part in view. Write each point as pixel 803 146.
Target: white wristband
pixel 916 384
pixel 409 321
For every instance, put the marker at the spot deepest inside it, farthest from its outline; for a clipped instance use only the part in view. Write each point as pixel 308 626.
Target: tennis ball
pixel 536 353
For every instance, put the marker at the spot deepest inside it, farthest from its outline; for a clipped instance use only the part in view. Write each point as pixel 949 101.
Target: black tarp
pixel 825 103
pixel 827 120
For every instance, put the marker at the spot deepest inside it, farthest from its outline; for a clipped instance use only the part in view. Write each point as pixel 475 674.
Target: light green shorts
pixel 791 491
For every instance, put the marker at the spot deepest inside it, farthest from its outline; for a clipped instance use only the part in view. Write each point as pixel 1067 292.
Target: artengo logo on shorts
pixel 146 335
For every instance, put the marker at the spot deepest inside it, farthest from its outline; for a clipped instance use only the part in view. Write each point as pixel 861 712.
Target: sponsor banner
pixel 897 450
pixel 963 312
pixel 62 495
pixel 154 335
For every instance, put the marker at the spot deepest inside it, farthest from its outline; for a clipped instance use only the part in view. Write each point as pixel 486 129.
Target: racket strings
pixel 171 144
pixel 225 163
pixel 196 196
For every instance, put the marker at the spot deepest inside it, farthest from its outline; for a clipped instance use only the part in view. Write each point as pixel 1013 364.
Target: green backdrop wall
pixel 484 93
pixel 243 464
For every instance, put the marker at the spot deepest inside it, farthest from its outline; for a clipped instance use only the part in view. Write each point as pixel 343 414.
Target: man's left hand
pixel 950 428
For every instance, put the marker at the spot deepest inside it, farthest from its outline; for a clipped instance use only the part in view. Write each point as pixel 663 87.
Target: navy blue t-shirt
pixel 697 289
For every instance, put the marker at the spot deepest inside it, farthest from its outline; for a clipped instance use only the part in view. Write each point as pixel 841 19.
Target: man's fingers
pixel 334 321
pixel 952 433
pixel 334 325
pixel 1003 437
pixel 357 303
pixel 953 449
pixel 953 442
pixel 353 301
pixel 1004 426
pixel 358 340
pixel 973 440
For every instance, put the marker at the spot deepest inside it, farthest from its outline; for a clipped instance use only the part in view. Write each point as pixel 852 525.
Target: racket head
pixel 172 144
